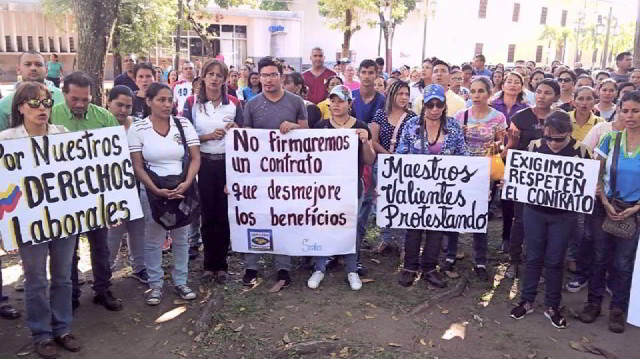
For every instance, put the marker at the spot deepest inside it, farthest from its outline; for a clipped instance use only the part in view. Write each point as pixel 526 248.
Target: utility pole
pixel 424 29
pixel 176 61
pixel 636 47
pixel 606 40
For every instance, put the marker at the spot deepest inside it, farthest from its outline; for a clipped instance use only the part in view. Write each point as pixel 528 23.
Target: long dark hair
pixel 520 96
pixel 249 85
pixel 201 97
pixel 297 79
pixel 443 117
pixel 393 92
pixel 29 90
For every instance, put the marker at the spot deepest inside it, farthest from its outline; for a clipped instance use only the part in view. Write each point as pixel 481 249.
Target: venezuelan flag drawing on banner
pixel 9 199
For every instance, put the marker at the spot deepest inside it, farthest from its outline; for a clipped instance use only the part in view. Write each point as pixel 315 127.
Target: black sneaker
pixel 284 275
pixel 141 276
pixel 330 263
pixel 556 319
pixel 250 277
pixel 193 252
pixel 521 310
pixel 590 312
pixel 108 301
pixel 406 278
pixel 435 278
pixel 482 273
pixel 617 320
pixel 360 269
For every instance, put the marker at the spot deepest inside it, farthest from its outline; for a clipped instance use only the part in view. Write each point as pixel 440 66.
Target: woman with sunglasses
pixel 610 250
pixel 567 81
pixel 484 129
pixel 433 133
pixel 548 229
pixel 607 94
pixel 48 317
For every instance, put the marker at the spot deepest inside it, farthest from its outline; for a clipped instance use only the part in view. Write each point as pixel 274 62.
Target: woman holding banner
pixel 386 130
pixel 484 130
pixel 212 112
pixel 340 104
pixel 614 222
pixel 527 126
pixel 165 152
pixel 48 317
pixel 548 229
pixel 433 133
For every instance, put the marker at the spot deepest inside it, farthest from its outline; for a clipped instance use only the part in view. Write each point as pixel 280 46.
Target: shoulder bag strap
pixel 614 163
pixel 421 122
pixel 395 133
pixel 185 158
pixel 466 116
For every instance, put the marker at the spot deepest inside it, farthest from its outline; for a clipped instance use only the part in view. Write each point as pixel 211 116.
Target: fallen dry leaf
pixel 375 261
pixel 239 329
pixel 218 327
pixel 349 314
pixel 173 313
pixel 395 345
pixel 276 287
pixel 394 317
pixel 370 305
pixel 367 280
pixel 369 317
pixel 553 340
pixel 333 337
pixel 286 339
pixel 423 342
pixel 445 311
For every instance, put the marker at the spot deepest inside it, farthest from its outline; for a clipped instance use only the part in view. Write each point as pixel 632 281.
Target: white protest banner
pixel 293 194
pixel 559 182
pixel 60 185
pixel 440 193
pixel 633 317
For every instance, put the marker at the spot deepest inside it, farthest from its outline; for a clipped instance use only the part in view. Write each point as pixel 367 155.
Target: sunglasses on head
pixel 554 139
pixel 431 104
pixel 33 103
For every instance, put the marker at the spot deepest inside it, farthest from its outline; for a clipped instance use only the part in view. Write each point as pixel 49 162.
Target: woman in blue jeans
pixel 433 133
pixel 612 252
pixel 48 318
pixel 156 143
pixel 547 230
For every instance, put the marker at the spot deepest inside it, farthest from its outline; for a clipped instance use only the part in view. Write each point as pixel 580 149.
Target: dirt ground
pixel 332 321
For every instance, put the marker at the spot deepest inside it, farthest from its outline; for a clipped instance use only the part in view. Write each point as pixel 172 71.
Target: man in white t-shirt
pixel 184 87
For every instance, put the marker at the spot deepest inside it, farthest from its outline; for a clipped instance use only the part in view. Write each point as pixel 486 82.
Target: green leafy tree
pixel 557 35
pixel 345 16
pixel 391 14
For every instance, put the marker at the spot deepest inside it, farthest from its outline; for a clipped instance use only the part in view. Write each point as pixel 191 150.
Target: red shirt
pixel 317 90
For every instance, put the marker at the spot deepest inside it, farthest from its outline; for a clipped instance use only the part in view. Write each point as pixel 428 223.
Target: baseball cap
pixel 342 91
pixel 398 71
pixel 433 91
pixel 249 61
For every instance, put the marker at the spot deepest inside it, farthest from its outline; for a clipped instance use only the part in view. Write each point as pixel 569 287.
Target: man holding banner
pixel 273 108
pixel 553 190
pixel 78 114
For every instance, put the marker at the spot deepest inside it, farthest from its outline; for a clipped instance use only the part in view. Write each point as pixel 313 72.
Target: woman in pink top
pixel 349 74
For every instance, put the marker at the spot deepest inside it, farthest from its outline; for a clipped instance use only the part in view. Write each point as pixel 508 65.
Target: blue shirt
pixel 628 170
pixel 365 111
pixel 484 72
pixel 248 93
pixel 124 79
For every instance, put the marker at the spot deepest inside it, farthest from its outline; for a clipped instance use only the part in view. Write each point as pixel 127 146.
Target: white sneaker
pixel 354 281
pixel 315 279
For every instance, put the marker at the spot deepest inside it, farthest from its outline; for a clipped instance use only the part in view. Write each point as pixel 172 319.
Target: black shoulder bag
pixel 174 213
pixel 625 228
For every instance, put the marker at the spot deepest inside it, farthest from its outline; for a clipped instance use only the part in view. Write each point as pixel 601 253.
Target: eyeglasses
pixel 565 80
pixel 272 75
pixel 47 103
pixel 430 105
pixel 554 139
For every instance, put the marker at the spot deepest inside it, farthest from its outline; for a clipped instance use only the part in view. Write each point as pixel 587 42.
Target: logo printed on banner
pixel 260 239
pixel 9 199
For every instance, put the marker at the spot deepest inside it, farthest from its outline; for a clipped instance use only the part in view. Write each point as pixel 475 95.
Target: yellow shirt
pixel 579 133
pixel 455 103
pixel 324 108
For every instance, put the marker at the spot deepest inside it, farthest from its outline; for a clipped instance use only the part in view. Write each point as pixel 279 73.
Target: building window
pixel 543 16
pixel 512 52
pixel 478 49
pixel 52 47
pixel 20 44
pixel 482 10
pixel 227 40
pixel 41 44
pixel 62 47
pixel 539 54
pixel 30 43
pixel 8 45
pixel 516 12
pixel 72 45
pixel 563 21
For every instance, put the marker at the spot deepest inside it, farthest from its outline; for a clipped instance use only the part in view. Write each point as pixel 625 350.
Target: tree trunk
pixel 347 34
pixel 117 58
pixel 389 60
pixel 636 47
pixel 201 31
pixel 95 22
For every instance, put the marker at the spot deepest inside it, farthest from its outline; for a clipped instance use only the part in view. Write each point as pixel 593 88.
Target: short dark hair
pixel 485 81
pixel 367 63
pixel 603 73
pixel 30 52
pixel 559 121
pixel 585 76
pixel 78 78
pixel 466 67
pixel 438 62
pixel 379 61
pixel 143 65
pixel 154 89
pixel 480 57
pixel 571 74
pixel 119 90
pixel 55 55
pixel 622 55
pixel 581 72
pixel 631 96
pixel 428 59
pixel 29 90
pixel 622 85
pixel 265 62
pixel 551 83
pixel 328 80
